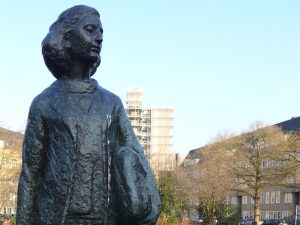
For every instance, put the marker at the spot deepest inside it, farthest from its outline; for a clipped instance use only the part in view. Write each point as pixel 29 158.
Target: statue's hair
pixel 54 47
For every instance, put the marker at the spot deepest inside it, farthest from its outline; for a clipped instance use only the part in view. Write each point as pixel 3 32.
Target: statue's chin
pixel 92 59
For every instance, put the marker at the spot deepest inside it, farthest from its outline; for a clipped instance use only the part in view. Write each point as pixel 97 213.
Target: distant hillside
pixel 12 139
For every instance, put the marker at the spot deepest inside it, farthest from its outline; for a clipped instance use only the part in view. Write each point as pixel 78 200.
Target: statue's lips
pixel 95 49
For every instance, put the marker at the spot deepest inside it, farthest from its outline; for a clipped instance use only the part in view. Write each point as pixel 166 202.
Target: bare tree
pixel 261 158
pixel 247 163
pixel 208 182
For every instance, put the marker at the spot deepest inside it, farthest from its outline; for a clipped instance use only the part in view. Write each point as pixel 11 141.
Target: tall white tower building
pixel 154 129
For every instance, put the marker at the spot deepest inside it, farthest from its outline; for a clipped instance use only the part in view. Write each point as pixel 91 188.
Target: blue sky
pixel 221 64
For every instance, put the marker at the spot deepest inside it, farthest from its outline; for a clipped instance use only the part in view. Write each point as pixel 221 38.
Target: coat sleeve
pixel 32 167
pixel 128 139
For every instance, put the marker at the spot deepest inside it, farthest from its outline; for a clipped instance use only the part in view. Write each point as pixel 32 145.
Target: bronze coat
pixel 74 128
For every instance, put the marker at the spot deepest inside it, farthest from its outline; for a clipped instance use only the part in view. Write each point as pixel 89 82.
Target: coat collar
pixel 76 86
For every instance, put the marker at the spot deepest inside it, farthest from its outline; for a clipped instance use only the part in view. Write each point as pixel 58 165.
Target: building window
pixel 267 215
pixel 246 214
pixel 267 197
pixel 288 198
pixel 244 200
pixel 286 214
pixel 251 214
pixel 262 198
pixel 251 200
pixel 264 215
pixel 278 197
pixel 279 215
pixel 10 196
pixel 273 197
pixel 234 200
pixel 291 179
pixel 271 215
pixel 227 199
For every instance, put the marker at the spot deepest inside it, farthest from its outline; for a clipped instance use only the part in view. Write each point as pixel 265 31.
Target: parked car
pixel 249 221
pixel 275 222
pixel 196 219
pixel 291 221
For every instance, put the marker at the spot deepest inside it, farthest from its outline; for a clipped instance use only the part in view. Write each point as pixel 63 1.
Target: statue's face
pixel 86 39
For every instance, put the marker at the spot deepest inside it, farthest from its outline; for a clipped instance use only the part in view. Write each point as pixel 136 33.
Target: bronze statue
pixel 82 163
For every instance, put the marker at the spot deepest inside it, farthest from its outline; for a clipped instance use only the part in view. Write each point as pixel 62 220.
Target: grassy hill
pixel 12 139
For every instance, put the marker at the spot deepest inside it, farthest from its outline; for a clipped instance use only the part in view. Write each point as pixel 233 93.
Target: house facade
pixel 275 202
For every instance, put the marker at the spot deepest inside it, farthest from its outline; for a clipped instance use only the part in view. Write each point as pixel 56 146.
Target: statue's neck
pixel 77 71
pixel 76 85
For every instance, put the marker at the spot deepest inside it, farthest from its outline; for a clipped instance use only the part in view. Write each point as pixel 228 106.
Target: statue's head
pixel 74 39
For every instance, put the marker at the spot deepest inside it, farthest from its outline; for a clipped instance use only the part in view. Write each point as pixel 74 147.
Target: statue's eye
pixel 90 28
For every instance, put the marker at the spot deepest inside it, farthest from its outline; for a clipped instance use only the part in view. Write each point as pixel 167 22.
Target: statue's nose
pixel 99 40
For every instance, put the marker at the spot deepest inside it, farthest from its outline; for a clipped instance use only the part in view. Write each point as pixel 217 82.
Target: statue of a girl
pixel 82 164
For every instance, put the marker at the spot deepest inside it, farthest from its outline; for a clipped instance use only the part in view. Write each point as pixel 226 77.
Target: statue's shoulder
pixel 110 96
pixel 41 101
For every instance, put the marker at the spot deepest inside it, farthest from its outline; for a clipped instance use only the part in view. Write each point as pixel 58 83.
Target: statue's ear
pixel 67 39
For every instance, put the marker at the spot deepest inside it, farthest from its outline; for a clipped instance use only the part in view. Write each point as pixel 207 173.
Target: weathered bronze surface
pixel 82 163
